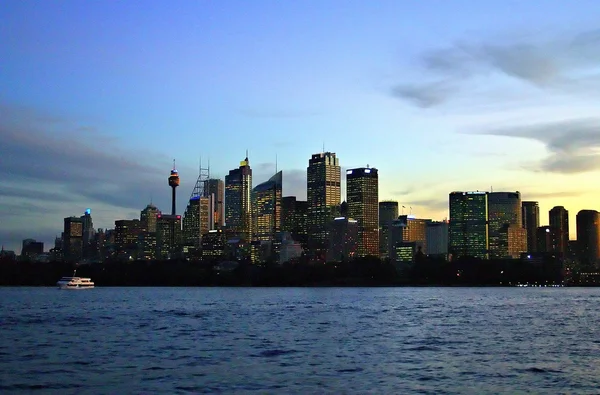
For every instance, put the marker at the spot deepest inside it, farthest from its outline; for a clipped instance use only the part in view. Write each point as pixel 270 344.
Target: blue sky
pixel 97 98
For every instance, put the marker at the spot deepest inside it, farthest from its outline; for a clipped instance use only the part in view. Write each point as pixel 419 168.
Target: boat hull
pixel 75 287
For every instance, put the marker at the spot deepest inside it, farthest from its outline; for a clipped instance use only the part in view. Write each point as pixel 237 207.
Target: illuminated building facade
pixel 214 244
pixel 468 228
pixel 388 212
pixel 168 236
pixel 343 239
pixel 148 218
pixel 588 236
pixel 324 194
pixel 362 196
pixel 267 208
pixel 238 201
pixel 513 239
pixel 559 220
pixel 127 234
pixel 504 208
pixel 216 187
pixel 414 230
pixel 73 238
pixel 530 214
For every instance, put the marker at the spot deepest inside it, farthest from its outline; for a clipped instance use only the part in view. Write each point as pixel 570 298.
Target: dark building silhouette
pixel 294 219
pixel 531 221
pixel 588 236
pixel 388 212
pixel 31 248
pixel 548 240
pixel 216 187
pixel 559 220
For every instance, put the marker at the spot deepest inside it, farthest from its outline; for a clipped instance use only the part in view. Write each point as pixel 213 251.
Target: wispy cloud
pixel 573 145
pixel 566 63
pixel 55 161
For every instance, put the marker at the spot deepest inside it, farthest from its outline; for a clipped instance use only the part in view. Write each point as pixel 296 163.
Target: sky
pixel 97 98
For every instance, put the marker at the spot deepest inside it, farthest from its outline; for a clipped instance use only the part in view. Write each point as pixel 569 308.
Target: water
pixel 300 340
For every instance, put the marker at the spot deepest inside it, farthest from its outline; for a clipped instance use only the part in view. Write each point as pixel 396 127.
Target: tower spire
pixel 174 164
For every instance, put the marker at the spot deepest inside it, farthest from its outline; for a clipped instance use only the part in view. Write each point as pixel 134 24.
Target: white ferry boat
pixel 75 282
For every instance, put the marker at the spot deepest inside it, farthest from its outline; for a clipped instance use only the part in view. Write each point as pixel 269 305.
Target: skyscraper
pixel 267 206
pixel 362 196
pixel 413 230
pixel 588 236
pixel 388 212
pixel 216 187
pixel 504 208
pixel 559 220
pixel 531 221
pixel 324 195
pixel 148 218
pixel 238 202
pixel 73 238
pixel 468 229
pixel 293 219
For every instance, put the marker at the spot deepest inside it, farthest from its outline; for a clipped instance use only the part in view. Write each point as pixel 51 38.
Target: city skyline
pixel 93 116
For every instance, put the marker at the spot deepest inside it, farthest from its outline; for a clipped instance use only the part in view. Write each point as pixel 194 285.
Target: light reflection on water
pixel 300 340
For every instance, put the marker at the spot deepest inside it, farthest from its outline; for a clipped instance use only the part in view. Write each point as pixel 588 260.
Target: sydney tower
pixel 173 183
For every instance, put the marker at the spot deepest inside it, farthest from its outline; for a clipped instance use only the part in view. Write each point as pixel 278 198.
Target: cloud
pixel 573 145
pixel 50 161
pixel 545 195
pixel 565 63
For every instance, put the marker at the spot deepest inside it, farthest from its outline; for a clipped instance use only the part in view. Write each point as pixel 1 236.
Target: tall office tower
pixel 216 187
pixel 238 202
pixel 468 229
pixel 293 219
pixel 413 230
pixel 559 219
pixel 88 234
pixel 588 236
pixel 388 212
pixel 324 194
pixel 148 218
pixel 344 239
pixel 73 239
pixel 198 216
pixel 531 221
pixel 436 237
pixel 213 245
pixel 504 208
pixel 362 196
pixel 127 233
pixel 267 208
pixel 548 240
pixel 168 236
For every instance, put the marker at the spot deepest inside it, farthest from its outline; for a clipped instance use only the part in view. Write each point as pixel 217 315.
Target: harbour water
pixel 300 340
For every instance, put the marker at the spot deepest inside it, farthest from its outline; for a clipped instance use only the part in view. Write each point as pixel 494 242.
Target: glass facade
pixel 468 228
pixel 267 208
pixel 504 208
pixel 238 202
pixel 362 196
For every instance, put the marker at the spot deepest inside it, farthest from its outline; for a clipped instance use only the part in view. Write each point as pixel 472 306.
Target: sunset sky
pixel 98 97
